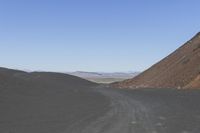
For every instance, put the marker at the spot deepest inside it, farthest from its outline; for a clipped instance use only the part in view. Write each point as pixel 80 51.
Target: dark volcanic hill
pixel 43 102
pixel 181 69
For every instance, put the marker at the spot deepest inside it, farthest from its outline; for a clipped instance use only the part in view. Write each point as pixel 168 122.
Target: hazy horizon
pixel 94 36
pixel 31 70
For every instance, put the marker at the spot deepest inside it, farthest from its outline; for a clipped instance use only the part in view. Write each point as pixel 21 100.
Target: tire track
pixel 125 115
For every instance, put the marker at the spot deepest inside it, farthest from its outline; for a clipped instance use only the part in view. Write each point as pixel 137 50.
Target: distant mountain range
pixel 181 69
pixel 102 77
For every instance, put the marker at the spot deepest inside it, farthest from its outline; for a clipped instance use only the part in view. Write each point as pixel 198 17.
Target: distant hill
pixel 100 77
pixel 181 69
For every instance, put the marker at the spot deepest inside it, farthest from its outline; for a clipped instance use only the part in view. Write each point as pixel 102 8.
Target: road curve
pixel 125 115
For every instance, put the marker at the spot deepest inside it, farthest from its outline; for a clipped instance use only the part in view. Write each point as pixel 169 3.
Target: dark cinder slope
pixel 44 102
pixel 181 69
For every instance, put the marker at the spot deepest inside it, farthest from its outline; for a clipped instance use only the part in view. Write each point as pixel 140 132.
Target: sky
pixel 93 35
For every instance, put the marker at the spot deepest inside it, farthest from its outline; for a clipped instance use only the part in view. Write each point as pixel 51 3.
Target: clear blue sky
pixel 93 35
